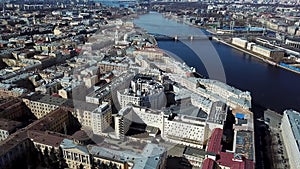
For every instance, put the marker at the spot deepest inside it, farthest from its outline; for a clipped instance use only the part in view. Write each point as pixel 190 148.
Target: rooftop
pixel 188 110
pixel 244 144
pixel 218 113
pixel 48 138
pixel 194 152
pixel 234 161
pixel 149 158
pixel 69 144
pixel 214 143
pixel 46 99
pixel 9 125
pixel 208 164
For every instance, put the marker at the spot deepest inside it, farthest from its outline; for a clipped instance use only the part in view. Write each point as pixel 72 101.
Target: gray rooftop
pixel 218 113
pixel 69 144
pixel 194 152
pixel 46 99
pixel 148 159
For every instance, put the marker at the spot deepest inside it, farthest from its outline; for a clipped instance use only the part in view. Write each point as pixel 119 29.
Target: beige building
pixel 239 42
pixel 40 104
pixel 101 118
pixel 267 52
pixel 46 139
pixel 150 53
pixel 75 154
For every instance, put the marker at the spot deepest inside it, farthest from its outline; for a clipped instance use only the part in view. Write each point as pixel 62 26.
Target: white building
pixel 152 156
pixel 215 90
pixel 175 128
pixel 75 155
pixel 290 126
pixel 267 52
pixel 239 42
pixel 143 91
pixel 185 130
pixel 101 118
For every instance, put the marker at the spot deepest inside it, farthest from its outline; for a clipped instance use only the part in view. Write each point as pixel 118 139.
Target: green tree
pixel 53 158
pixel 46 157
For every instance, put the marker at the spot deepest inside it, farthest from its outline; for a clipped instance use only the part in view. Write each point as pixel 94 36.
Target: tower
pixel 116 36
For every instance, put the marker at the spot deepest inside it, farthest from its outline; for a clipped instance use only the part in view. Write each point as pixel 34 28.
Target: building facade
pixel 290 126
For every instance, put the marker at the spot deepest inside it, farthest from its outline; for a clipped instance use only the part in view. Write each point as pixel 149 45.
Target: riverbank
pixel 256 55
pixel 248 52
pixel 214 37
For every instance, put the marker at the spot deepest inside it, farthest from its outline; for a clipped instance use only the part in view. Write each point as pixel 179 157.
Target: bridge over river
pixel 180 37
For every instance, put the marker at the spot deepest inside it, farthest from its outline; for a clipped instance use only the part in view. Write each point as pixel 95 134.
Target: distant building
pixel 293 42
pixel 106 66
pixel 239 42
pixel 290 126
pixel 215 91
pixel 99 95
pixel 150 53
pixel 267 52
pixel 49 88
pixel 7 90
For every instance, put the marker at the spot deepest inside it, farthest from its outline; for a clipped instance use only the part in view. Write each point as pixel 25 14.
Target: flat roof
pixel 69 144
pixel 46 99
pixel 188 110
pixel 244 143
pixel 218 113
pixel 194 152
pixel 9 125
pixel 52 139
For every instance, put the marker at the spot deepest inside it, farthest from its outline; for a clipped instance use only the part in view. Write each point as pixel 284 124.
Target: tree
pixel 46 157
pixel 32 158
pixel 62 161
pixel 53 158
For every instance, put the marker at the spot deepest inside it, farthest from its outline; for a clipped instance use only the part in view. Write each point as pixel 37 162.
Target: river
pixel 270 87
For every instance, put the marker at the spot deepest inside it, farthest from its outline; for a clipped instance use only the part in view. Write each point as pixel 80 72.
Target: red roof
pixel 227 159
pixel 214 143
pixel 249 164
pixel 208 164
